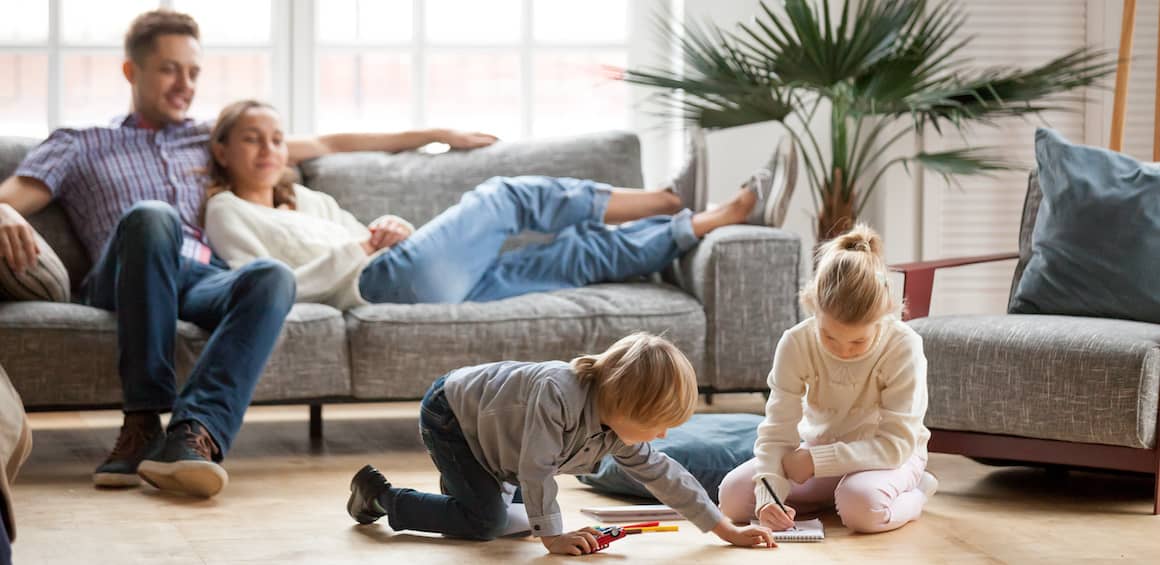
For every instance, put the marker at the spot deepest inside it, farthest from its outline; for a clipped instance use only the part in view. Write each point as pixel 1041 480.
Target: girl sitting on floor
pixel 862 374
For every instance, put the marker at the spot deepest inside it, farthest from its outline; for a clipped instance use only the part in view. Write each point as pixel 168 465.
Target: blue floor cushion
pixel 708 445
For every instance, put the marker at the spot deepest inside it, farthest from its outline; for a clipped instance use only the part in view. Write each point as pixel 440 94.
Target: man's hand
pixel 745 536
pixel 17 239
pixel 798 465
pixel 386 232
pixel 466 139
pixel 579 542
pixel 773 518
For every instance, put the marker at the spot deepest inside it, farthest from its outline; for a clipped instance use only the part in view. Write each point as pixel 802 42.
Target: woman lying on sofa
pixel 602 233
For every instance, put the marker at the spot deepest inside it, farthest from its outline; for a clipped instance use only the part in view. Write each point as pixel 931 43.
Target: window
pixel 60 60
pixel 516 68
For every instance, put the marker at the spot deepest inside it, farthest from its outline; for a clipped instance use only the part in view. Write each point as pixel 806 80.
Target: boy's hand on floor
pixel 745 536
pixel 579 542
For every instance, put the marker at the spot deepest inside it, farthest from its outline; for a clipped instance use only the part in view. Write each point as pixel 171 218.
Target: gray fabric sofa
pixel 1056 390
pixel 725 303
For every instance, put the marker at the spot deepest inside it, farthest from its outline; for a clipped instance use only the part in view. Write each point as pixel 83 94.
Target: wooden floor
pixel 285 504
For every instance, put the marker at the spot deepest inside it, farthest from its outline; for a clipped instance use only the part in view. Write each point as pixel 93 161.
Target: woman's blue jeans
pixel 456 256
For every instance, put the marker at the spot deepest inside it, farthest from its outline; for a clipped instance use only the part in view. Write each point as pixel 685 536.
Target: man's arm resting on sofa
pixel 20 197
pixel 305 148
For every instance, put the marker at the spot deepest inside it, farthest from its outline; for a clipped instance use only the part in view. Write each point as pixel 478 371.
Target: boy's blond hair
pixel 644 378
pixel 849 284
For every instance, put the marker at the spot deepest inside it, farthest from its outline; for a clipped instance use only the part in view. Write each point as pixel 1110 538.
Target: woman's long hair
pixel 219 177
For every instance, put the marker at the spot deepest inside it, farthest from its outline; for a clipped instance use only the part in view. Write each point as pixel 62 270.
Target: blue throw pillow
pixel 708 445
pixel 1095 249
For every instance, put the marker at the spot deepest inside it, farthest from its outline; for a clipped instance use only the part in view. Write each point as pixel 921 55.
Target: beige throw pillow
pixel 46 280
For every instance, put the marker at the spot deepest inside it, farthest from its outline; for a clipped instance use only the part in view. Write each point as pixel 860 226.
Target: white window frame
pixel 419 47
pixel 294 52
pixel 55 49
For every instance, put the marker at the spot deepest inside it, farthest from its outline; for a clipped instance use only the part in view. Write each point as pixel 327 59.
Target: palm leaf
pixel 967 161
pixel 884 62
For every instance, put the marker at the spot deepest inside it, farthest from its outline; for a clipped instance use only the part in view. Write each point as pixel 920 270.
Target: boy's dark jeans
pixel 472 505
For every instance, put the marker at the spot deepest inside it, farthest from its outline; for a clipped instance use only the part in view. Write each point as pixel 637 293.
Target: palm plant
pixel 884 69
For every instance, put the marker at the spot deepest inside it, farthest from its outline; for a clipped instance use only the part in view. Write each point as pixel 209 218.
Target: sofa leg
pixel 315 423
pixel 708 399
pixel 1156 494
pixel 1156 497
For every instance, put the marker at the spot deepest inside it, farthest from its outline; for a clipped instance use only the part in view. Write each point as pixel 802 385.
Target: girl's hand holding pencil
pixel 775 518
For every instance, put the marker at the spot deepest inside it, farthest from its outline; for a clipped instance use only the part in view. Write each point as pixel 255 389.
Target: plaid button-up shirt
pixel 98 173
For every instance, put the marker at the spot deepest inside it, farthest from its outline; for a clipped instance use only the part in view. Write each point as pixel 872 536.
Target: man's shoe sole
pixel 115 480
pixel 195 478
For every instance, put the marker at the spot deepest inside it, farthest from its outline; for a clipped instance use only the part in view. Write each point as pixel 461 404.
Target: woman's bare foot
pixel 733 212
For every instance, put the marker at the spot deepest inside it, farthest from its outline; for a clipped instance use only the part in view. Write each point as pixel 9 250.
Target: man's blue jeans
pixel 472 505
pixel 456 256
pixel 144 279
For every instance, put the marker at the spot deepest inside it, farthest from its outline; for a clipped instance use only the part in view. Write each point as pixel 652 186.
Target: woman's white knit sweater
pixel 319 241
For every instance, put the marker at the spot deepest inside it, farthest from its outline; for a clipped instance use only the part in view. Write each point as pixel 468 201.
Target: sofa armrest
pixel 747 278
pixel 918 279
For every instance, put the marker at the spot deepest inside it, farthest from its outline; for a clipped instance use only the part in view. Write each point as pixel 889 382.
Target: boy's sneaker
pixel 928 484
pixel 365 488
pixel 185 464
pixel 141 434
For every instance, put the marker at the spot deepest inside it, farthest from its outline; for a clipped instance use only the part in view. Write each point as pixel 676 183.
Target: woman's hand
pixel 386 231
pixel 798 465
pixel 578 542
pixel 744 536
pixel 466 139
pixel 773 518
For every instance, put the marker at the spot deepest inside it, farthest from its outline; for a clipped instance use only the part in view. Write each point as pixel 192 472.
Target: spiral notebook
pixel 805 530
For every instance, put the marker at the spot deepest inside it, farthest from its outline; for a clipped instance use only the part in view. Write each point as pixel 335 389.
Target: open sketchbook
pixel 633 513
pixel 805 530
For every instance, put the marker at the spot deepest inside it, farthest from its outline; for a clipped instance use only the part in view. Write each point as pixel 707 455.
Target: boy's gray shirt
pixel 528 422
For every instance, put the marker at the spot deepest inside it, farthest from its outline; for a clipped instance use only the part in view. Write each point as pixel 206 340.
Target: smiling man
pixel 132 192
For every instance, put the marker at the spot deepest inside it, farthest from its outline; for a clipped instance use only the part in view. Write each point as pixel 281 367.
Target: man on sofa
pixel 133 191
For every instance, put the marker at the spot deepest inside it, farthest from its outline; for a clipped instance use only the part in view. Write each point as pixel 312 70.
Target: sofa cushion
pixel 61 354
pixel 397 350
pixel 1026 229
pixel 1048 377
pixel 418 186
pixel 311 359
pixel 1097 235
